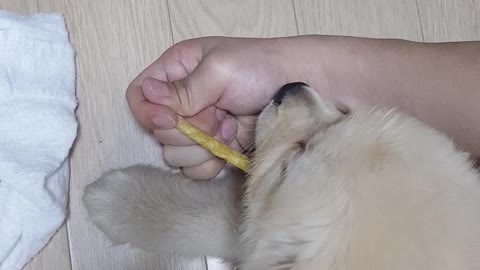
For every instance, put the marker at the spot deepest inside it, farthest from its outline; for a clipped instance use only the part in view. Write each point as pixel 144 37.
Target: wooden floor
pixel 116 39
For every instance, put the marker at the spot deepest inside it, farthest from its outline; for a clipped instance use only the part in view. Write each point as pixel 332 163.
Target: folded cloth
pixel 37 130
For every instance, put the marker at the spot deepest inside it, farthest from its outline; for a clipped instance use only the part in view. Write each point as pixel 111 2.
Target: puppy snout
pixel 286 90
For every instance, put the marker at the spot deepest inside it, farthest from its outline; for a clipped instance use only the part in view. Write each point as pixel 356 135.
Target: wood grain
pixel 20 6
pixel 447 20
pixel 367 18
pixel 248 18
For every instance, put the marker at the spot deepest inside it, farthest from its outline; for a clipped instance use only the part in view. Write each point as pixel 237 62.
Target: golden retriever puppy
pixel 374 189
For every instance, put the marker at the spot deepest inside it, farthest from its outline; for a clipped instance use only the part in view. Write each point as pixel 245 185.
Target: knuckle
pixel 183 92
pixel 159 135
pixel 207 170
pixel 212 168
pixel 168 154
pixel 211 129
pixel 216 64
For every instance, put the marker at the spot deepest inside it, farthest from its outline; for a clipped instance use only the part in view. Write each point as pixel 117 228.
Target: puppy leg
pixel 162 212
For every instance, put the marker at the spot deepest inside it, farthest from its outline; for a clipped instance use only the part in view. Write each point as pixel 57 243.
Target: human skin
pixel 219 84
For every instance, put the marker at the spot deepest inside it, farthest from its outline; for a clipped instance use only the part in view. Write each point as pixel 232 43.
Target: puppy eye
pixel 301 146
pixel 286 264
pixel 284 170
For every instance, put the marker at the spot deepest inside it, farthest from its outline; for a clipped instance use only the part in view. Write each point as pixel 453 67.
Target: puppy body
pixel 372 190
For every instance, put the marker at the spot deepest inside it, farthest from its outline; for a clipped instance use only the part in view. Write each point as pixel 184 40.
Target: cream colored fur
pixel 371 190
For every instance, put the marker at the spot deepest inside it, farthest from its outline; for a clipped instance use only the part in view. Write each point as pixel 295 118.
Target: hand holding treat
pixel 218 93
pixel 211 144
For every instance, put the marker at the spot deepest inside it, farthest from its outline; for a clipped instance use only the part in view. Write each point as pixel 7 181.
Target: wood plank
pixel 52 6
pixel 368 18
pixel 20 6
pixel 447 20
pixel 55 256
pixel 249 18
pixel 114 40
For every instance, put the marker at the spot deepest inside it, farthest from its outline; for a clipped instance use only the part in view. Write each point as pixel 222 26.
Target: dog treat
pixel 211 144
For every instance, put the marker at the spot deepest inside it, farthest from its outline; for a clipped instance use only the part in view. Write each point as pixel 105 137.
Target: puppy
pixel 374 189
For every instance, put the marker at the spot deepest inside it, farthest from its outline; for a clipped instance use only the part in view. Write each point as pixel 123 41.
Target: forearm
pixel 437 83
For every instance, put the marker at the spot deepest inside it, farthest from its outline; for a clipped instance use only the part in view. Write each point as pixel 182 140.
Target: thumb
pixel 187 96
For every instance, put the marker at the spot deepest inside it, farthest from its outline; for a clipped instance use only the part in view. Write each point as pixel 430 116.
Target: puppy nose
pixel 286 90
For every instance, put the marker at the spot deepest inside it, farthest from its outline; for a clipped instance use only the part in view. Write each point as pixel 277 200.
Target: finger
pixel 210 168
pixel 185 156
pixel 175 63
pixel 209 121
pixel 205 171
pixel 189 156
pixel 146 113
pixel 246 131
pixel 188 96
pixel 235 145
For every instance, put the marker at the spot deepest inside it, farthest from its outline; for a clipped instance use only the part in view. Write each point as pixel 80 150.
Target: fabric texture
pixel 37 130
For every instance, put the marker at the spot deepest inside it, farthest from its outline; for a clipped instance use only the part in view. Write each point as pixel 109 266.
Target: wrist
pixel 348 71
pixel 328 64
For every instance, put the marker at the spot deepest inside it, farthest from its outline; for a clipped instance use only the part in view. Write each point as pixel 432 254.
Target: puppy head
pixel 285 181
pixel 284 129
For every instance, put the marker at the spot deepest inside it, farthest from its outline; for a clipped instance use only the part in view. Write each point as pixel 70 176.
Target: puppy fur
pixel 374 189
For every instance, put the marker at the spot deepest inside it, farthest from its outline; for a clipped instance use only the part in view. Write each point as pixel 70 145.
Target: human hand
pixel 219 85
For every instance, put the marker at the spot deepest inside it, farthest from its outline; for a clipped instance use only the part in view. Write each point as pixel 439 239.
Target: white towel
pixel 37 130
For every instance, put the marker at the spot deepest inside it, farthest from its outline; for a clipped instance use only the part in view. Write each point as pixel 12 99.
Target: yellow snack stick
pixel 211 144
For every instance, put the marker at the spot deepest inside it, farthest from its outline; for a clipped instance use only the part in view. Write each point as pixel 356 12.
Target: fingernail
pixel 228 129
pixel 220 114
pixel 164 121
pixel 157 88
